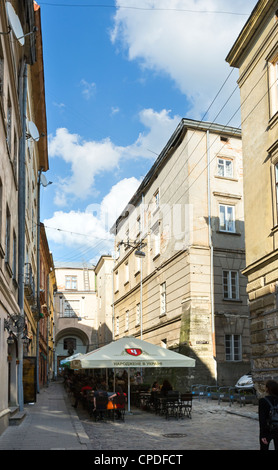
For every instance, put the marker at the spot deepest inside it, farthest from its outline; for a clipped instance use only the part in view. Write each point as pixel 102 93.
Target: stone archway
pixel 69 341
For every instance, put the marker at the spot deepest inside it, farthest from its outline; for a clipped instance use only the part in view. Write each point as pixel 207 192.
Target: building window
pixel 1 205
pixel 138 225
pixel 276 185
pixel 9 123
pixel 69 344
pixel 8 236
pixel 126 273
pixel 227 218
pixel 273 85
pixel 71 282
pixel 156 242
pixel 116 281
pixel 230 285
pixel 15 156
pixel 225 168
pixel 233 348
pixel 138 314
pixel 163 298
pixel 156 200
pixel 1 70
pixel 72 308
pixel 14 256
pixel 127 320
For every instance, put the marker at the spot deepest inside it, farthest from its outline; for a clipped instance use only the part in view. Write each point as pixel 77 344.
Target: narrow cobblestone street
pixel 212 427
pixel 53 424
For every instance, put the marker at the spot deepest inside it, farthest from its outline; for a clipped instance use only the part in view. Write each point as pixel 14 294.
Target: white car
pixel 245 383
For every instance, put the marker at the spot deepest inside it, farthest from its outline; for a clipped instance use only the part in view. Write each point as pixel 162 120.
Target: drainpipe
pixel 21 225
pixel 211 259
pixel 38 284
pixel 141 268
pixel 47 333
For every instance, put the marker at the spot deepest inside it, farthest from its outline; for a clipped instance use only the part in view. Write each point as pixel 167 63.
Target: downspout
pixel 47 333
pixel 141 267
pixel 211 259
pixel 38 284
pixel 21 225
pixel 113 306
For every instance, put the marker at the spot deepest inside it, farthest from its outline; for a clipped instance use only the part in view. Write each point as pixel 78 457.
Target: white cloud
pixel 87 159
pixel 88 89
pixel 188 47
pixel 160 126
pixel 89 230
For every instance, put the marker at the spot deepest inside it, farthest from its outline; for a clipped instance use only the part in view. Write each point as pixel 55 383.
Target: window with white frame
pixel 163 298
pixel 225 167
pixel 233 349
pixel 230 285
pixel 227 218
pixel 71 282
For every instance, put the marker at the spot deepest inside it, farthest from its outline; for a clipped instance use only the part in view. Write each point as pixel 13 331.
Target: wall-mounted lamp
pixel 138 252
pixel 10 339
pixel 15 325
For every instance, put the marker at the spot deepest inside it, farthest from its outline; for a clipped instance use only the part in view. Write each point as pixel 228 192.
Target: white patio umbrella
pixel 70 361
pixel 131 352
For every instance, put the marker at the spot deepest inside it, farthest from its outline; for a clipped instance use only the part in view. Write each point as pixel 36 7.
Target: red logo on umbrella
pixel 134 351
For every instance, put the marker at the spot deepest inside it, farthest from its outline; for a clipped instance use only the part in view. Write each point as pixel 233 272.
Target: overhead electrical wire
pixel 186 10
pixel 195 130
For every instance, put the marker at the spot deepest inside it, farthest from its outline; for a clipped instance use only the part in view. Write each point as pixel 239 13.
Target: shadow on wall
pixel 181 378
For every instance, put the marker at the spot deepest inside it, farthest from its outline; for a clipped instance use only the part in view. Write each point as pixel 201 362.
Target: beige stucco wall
pixel 252 54
pixel 184 259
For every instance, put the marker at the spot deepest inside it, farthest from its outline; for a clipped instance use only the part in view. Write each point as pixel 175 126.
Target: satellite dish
pixel 43 180
pixel 15 23
pixel 33 130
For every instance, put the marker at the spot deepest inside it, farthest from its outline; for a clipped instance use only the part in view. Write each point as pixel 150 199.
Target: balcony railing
pixel 29 282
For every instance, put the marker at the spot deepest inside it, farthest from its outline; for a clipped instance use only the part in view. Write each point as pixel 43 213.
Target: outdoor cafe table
pixel 145 398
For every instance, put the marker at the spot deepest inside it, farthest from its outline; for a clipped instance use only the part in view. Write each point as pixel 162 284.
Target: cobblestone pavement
pixel 212 427
pixel 53 424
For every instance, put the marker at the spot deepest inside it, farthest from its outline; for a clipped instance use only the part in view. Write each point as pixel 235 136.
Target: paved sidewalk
pixel 50 424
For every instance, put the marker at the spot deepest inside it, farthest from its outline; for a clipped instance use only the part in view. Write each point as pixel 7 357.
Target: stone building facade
pixel 76 308
pixel 187 293
pixel 21 87
pixel 255 54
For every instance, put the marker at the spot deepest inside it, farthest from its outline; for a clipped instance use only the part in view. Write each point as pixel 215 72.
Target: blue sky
pixel 119 77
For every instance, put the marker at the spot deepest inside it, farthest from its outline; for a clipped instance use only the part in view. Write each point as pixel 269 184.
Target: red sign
pixel 134 351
